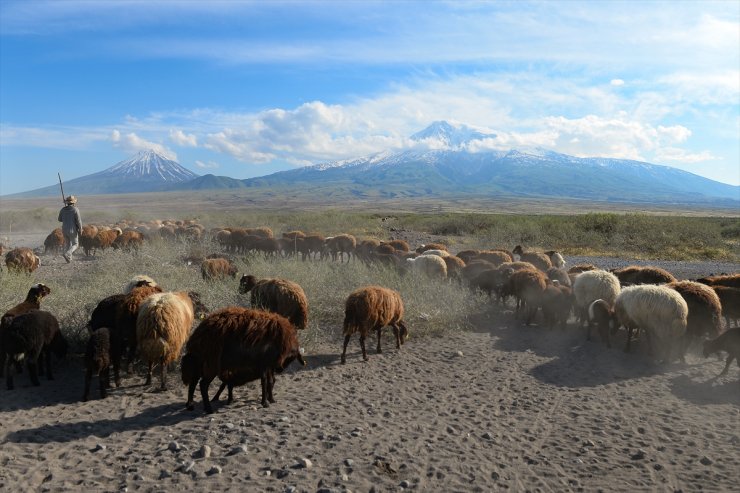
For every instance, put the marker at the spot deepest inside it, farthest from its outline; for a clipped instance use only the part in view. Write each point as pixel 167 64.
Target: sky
pixel 247 88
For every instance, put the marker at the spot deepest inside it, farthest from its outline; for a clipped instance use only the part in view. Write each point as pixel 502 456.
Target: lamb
pixel 428 265
pixel 659 311
pixel 729 341
pixel 539 260
pixel 32 302
pixel 105 315
pixel 635 274
pixel 705 310
pixel 54 242
pixel 27 337
pixel 217 268
pixel 601 315
pixel 730 299
pixel 22 260
pixel 372 308
pixel 279 296
pixel 162 326
pixel 98 361
pixel 238 345
pixel 730 280
pixel 591 286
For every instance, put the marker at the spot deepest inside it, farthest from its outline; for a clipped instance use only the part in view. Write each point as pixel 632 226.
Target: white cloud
pixel 53 137
pixel 206 165
pixel 182 139
pixel 677 155
pixel 617 82
pixel 131 142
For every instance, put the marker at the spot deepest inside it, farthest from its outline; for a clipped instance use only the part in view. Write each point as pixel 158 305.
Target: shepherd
pixel 69 216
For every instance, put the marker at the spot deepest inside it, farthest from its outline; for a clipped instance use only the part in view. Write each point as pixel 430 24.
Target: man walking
pixel 69 216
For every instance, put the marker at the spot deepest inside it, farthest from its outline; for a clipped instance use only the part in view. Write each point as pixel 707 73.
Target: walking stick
pixel 61 186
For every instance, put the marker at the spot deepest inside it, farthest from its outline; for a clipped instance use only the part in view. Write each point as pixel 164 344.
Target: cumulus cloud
pixel 182 139
pixel 617 82
pixel 131 142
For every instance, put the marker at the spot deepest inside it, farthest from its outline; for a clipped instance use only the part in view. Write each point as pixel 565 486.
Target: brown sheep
pixel 54 242
pixel 730 299
pixel 279 296
pixel 527 286
pixel 730 342
pixel 601 315
pixel 431 246
pixel 22 260
pixel 98 361
pixel 556 302
pixel 262 232
pixel 87 239
pixel 162 326
pixel 28 337
pixel 403 246
pixel 385 249
pixel 577 269
pixel 292 235
pixel 128 240
pixel 636 274
pixel 238 345
pixel 474 268
pixel 339 245
pixel 32 302
pixel 126 313
pixel 556 274
pixel 104 239
pixel 366 247
pixel 539 260
pixel 496 257
pixel 372 308
pixel 468 256
pixel 705 311
pixel 730 280
pixel 455 265
pixel 313 244
pixel 217 268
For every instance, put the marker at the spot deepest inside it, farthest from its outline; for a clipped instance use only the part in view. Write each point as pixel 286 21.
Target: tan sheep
pixel 279 296
pixel 217 268
pixel 22 260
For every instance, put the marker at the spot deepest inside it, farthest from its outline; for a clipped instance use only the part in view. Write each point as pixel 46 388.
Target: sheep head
pixel 246 283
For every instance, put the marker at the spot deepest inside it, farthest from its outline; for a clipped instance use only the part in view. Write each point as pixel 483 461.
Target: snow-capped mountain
pixel 449 136
pixel 147 171
pixel 150 166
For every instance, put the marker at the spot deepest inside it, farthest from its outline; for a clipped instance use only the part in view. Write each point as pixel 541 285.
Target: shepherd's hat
pixel 70 200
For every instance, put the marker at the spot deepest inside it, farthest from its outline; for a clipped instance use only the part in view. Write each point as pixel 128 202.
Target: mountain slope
pixel 148 171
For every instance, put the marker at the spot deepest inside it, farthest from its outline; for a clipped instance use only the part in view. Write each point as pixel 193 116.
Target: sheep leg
pixel 163 385
pixel 344 349
pixel 103 382
pixel 149 374
pixel 362 346
pixel 33 371
pixel 47 359
pixel 727 365
pixel 230 399
pixel 270 386
pixel 265 384
pixel 3 359
pixel 88 378
pixel 9 371
pixel 378 330
pixel 218 392
pixel 204 394
pixel 191 391
pixel 629 339
pixel 397 335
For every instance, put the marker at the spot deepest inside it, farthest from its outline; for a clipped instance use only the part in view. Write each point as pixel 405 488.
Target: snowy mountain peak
pixel 149 165
pixel 449 135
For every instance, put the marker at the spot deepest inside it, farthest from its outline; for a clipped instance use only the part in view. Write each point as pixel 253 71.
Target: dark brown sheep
pixel 340 245
pixel 403 246
pixel 54 242
pixel 729 280
pixel 602 317
pixel 636 274
pixel 238 345
pixel 705 311
pixel 468 256
pixel 729 342
pixel 279 296
pixel 730 299
pixel 217 269
pixel 372 308
pixel 21 260
pixel 556 302
pixel 126 314
pixel 105 314
pixel 385 249
pixel 527 287
pixel 98 361
pixel 28 337
pixel 32 302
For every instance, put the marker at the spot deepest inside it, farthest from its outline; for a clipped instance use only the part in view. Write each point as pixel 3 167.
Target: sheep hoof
pixel 209 410
pixel 265 404
pixel 189 407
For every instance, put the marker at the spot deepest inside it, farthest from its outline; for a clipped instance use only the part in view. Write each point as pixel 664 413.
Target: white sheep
pixel 659 311
pixel 591 286
pixel 438 253
pixel 138 280
pixel 429 265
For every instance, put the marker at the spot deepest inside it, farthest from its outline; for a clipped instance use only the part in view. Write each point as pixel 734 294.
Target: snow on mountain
pixel 150 165
pixel 449 136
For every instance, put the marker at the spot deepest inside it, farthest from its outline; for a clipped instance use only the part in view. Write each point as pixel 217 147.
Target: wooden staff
pixel 61 187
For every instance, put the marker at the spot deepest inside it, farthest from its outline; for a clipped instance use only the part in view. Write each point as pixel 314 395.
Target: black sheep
pixel 97 361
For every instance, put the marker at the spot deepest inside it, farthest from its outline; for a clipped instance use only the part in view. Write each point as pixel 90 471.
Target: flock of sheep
pixel 239 345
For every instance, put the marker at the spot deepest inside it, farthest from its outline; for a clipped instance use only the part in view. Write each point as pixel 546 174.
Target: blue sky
pixel 244 89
